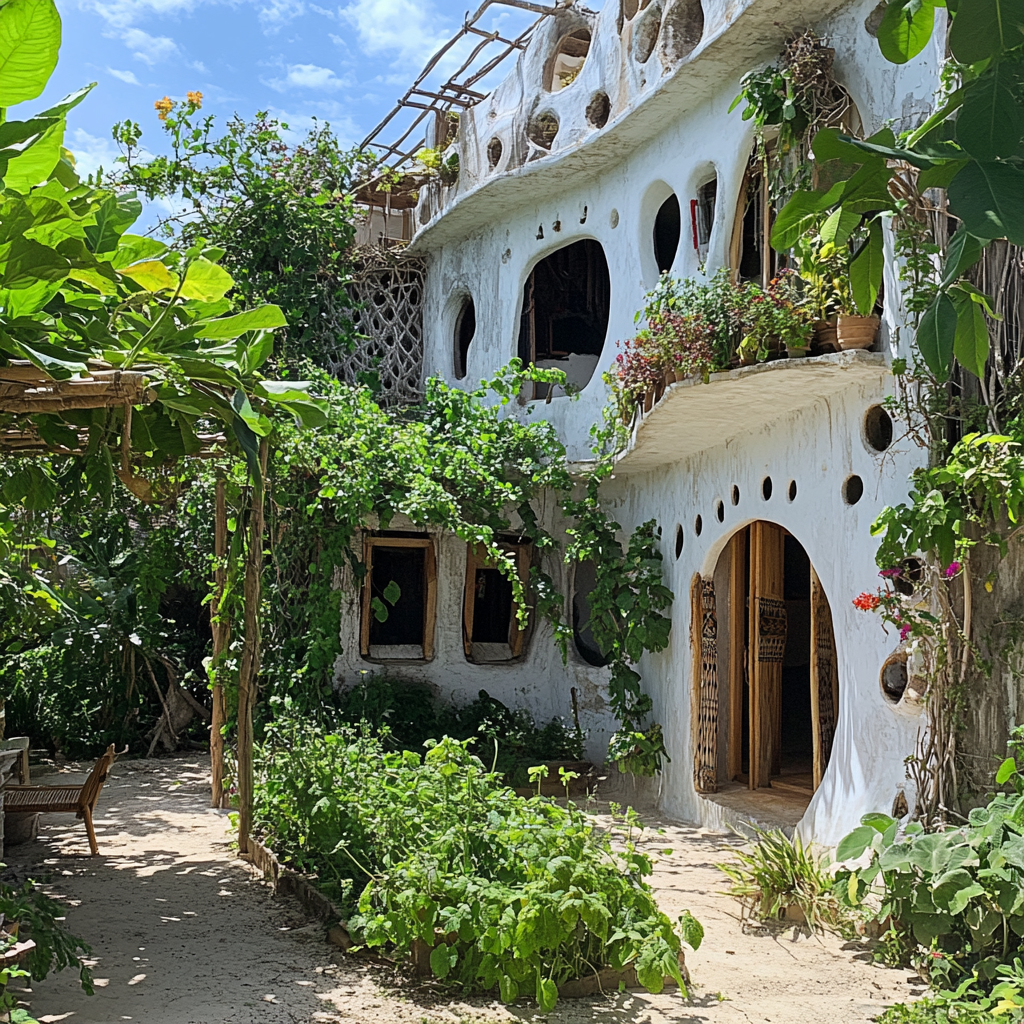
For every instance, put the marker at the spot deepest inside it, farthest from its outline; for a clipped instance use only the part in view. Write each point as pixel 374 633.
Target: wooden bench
pixel 77 800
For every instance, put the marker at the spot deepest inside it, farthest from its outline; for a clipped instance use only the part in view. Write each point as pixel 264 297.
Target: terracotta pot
pixel 857 331
pixel 798 353
pixel 669 378
pixel 679 376
pixel 826 336
pixel 649 399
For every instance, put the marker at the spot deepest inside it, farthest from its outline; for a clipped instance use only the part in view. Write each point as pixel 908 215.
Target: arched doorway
pixel 766 684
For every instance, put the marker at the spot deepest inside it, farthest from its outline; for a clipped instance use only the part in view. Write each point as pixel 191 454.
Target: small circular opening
pixel 646 36
pixel 698 525
pixel 878 428
pixel 598 110
pixel 766 488
pixel 735 494
pixel 542 129
pixel 853 489
pixel 911 576
pixel 894 677
pixel 667 229
pixel 679 541
pixel 494 150
pixel 791 492
pixel 720 511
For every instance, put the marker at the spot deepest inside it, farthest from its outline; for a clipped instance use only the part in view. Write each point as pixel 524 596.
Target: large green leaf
pixel 962 252
pixel 799 213
pixel 905 29
pixel 936 336
pixel 113 218
pixel 151 276
pixel 971 344
pixel 258 319
pixel 990 123
pixel 29 43
pixel 27 262
pixel 983 28
pixel 61 107
pixel 134 248
pixel 205 281
pixel 853 845
pixel 34 164
pixel 866 271
pixel 987 198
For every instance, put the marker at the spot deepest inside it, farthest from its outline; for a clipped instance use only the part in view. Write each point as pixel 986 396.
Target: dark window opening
pixel 492 607
pixel 757 259
pixel 465 330
pixel 853 490
pixel 894 678
pixel 405 567
pixel 703 214
pixel 878 428
pixel 583 636
pixel 796 750
pixel 566 302
pixel 598 110
pixel 667 228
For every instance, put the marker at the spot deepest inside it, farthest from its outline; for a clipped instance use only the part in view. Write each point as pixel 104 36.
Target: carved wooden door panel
pixel 824 679
pixel 704 640
pixel 768 644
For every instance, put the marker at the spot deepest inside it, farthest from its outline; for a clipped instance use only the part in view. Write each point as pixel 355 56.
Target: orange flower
pixel 866 602
pixel 164 107
pixel 195 98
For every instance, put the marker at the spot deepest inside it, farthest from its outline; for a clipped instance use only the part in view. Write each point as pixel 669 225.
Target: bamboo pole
pixel 250 666
pixel 221 626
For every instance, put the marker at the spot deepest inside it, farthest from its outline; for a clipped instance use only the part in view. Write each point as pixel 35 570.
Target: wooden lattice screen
pixel 387 295
pixel 704 637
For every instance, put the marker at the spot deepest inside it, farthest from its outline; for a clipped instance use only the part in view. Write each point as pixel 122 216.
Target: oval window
pixel 465 331
pixel 667 228
pixel 584 582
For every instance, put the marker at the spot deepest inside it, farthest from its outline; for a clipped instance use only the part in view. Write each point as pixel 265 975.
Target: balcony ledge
pixel 692 416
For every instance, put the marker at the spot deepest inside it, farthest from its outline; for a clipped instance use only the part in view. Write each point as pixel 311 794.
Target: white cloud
pixel 347 132
pixel 151 49
pixel 411 31
pixel 91 152
pixel 125 76
pixel 278 13
pixel 307 76
pixel 123 13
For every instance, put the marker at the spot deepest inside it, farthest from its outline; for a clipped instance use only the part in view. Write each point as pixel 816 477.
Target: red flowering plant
pixel 773 316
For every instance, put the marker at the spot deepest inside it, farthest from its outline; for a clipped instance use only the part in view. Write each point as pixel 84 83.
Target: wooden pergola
pixel 25 391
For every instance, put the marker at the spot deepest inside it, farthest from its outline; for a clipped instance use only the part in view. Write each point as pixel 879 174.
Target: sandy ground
pixel 183 933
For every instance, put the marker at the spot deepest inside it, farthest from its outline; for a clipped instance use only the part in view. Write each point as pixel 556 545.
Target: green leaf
pixel 29 43
pixel 962 252
pixel 991 122
pixel 392 592
pixel 692 930
pixel 905 29
pixel 113 218
pixel 151 276
pixel 798 215
pixel 547 994
pixel 205 281
pixel 439 962
pixel 986 197
pixel 839 226
pixel 983 28
pixel 259 319
pixel 940 175
pixel 936 336
pixel 29 262
pixel 61 107
pixel 853 845
pixel 866 271
pixel 971 343
pixel 284 390
pixel 507 989
pixel 1006 769
pixel 34 164
pixel 135 248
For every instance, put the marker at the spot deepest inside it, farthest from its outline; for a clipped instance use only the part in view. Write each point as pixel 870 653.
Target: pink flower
pixel 890 573
pixel 952 569
pixel 904 632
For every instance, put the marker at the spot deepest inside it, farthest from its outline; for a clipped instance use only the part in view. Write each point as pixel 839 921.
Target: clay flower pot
pixel 649 399
pixel 669 378
pixel 857 331
pixel 679 376
pixel 826 335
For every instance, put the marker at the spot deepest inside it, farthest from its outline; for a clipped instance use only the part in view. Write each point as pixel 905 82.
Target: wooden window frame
pixel 476 558
pixel 429 583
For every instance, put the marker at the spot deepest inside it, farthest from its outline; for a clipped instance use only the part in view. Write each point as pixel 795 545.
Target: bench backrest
pixel 98 775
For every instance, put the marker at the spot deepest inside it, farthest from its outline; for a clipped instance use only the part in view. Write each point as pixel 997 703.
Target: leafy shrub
pixel 968 1003
pixel 509 740
pixel 518 895
pixel 955 897
pixel 777 872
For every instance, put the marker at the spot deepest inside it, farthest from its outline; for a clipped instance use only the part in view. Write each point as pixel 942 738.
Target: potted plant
pixel 773 319
pixel 823 256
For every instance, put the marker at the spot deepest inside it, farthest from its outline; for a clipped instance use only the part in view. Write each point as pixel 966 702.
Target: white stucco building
pixel 566 171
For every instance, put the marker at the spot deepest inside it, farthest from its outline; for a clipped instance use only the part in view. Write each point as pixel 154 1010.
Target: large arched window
pixel 564 320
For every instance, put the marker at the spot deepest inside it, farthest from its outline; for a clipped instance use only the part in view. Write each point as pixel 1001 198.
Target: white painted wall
pixel 669 125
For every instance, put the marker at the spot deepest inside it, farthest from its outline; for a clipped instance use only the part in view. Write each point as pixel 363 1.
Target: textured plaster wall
pixel 668 131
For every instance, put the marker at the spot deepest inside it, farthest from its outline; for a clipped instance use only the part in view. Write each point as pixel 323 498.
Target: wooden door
pixel 704 640
pixel 767 646
pixel 824 679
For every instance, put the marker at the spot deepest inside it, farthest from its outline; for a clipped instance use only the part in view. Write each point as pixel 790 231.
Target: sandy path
pixel 183 934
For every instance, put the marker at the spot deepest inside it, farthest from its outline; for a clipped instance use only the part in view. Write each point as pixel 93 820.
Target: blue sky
pixel 346 64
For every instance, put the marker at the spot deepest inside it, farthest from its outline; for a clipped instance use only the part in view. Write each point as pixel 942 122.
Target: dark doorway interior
pixel 406 568
pixel 492 607
pixel 797 731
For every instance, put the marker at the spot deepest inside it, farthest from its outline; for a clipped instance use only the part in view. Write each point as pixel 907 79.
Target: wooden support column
pixel 221 636
pixel 250 665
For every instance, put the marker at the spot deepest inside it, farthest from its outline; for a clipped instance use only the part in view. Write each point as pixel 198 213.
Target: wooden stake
pixel 250 665
pixel 221 627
